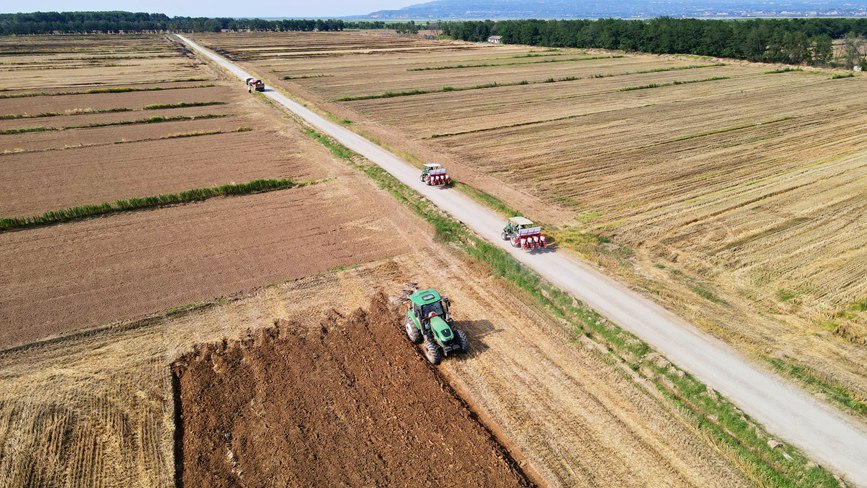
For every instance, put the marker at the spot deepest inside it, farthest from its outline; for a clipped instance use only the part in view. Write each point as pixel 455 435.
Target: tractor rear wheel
pixel 412 333
pixel 432 351
pixel 463 340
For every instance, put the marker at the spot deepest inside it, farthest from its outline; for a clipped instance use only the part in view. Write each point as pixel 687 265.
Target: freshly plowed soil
pixel 348 404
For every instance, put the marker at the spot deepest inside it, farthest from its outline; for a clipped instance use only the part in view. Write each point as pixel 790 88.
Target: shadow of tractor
pixel 477 331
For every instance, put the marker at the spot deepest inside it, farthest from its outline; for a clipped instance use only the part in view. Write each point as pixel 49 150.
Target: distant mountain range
pixel 637 9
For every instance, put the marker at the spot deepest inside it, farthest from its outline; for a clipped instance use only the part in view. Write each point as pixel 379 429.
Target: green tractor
pixel 428 320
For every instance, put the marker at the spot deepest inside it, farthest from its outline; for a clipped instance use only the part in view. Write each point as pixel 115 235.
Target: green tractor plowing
pixel 428 319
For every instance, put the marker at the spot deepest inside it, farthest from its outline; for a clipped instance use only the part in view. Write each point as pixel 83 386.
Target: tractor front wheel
pixel 463 340
pixel 432 351
pixel 412 333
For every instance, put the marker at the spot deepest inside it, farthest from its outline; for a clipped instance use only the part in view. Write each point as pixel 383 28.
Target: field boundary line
pixel 53 217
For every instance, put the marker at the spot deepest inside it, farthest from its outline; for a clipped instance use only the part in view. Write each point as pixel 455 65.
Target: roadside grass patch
pixel 839 76
pixel 708 295
pixel 85 211
pixel 835 393
pixel 719 420
pixel 486 198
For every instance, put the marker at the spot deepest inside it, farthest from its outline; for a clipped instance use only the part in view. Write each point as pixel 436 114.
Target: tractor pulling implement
pixel 254 84
pixel 521 232
pixel 428 320
pixel 435 175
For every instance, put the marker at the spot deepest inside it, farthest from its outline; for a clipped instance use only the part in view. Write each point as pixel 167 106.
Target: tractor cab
pixel 517 223
pixel 428 319
pixel 427 304
pixel 428 167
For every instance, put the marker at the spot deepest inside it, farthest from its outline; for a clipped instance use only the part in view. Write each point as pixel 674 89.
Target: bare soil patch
pixel 349 403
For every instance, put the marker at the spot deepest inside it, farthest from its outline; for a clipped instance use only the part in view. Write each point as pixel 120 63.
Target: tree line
pixel 113 22
pixel 793 41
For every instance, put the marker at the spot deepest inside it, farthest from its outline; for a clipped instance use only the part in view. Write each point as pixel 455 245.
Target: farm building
pixel 495 39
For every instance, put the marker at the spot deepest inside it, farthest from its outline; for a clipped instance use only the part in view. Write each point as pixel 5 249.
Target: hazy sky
pixel 216 8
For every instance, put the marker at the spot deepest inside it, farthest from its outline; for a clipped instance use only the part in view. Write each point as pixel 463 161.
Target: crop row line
pixel 182 135
pixel 673 83
pixel 90 111
pixel 304 77
pixel 126 89
pixel 150 120
pixel 445 89
pixel 85 211
pixel 489 65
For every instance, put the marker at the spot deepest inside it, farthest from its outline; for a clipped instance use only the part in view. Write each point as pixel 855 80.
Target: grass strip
pixel 161 106
pixel 85 211
pixel 719 420
pixel 303 77
pixel 534 55
pixel 149 120
pixel 102 90
pixel 390 94
pixel 784 70
pixel 835 393
pixel 673 83
pixel 841 75
pixel 490 65
pixel 77 111
pixel 407 93
pixel 487 199
pixel 22 130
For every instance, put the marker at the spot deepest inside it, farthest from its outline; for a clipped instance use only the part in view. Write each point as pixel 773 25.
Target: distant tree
pixel 822 49
pixel 852 50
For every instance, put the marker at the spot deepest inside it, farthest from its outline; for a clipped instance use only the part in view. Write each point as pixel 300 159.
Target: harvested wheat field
pixel 566 414
pixel 89 273
pixel 731 192
pixel 101 143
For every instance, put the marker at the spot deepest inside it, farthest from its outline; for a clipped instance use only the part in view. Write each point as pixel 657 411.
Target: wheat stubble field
pixel 734 193
pixel 95 311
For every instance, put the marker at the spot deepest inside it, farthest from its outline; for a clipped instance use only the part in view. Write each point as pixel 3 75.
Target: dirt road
pixel 824 433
